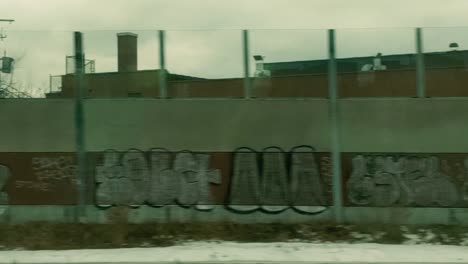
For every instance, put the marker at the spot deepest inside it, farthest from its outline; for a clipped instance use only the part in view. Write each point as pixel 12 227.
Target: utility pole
pixel 334 120
pixel 79 127
pixel 2 37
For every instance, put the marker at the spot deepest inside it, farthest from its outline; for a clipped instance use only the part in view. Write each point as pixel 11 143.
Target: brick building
pixel 382 75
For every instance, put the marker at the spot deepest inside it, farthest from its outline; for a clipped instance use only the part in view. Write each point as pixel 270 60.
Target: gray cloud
pixel 227 14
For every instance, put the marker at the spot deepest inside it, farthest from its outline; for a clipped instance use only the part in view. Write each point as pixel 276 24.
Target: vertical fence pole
pixel 162 65
pixel 79 127
pixel 420 71
pixel 245 48
pixel 334 127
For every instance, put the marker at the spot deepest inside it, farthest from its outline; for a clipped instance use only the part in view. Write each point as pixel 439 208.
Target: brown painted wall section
pixel 52 182
pixel 114 84
pixel 55 182
pixel 33 184
pixel 402 83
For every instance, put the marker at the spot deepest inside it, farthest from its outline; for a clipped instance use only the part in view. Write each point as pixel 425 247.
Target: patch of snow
pixel 429 235
pixel 424 236
pixel 412 239
pixel 251 252
pixel 3 209
pixel 365 238
pixel 464 241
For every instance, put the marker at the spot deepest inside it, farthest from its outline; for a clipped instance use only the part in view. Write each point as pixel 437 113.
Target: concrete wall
pixel 433 125
pixel 206 125
pixel 404 125
pixel 36 125
pixel 356 215
pixel 43 130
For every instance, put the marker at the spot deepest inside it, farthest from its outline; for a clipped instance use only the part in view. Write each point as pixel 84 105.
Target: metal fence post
pixel 420 71
pixel 162 65
pixel 50 83
pixel 333 113
pixel 245 48
pixel 79 127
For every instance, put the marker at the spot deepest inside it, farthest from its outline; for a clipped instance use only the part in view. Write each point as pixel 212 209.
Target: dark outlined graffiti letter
pixel 307 194
pixel 136 171
pixel 185 165
pixel 274 181
pixel 206 177
pixel 360 185
pixel 164 182
pixel 108 177
pixel 195 179
pixel 387 189
pixel 245 183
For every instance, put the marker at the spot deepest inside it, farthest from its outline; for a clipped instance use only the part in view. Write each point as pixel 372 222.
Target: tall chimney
pixel 127 51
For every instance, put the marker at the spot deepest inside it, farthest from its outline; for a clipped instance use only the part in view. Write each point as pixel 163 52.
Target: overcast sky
pixel 204 38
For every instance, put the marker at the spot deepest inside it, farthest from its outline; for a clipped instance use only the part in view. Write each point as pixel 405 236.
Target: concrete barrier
pixel 15 214
pixel 432 125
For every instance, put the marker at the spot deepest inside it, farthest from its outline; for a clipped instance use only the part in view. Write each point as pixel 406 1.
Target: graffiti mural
pixel 33 185
pixel 267 184
pixel 465 184
pixel 405 181
pixel 4 176
pixel 54 168
pixel 48 172
pixel 269 180
pixel 129 179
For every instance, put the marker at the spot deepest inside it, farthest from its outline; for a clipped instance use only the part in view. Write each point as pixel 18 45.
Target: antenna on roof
pixel 2 35
pixel 258 57
pixel 453 46
pixel 378 66
pixel 260 70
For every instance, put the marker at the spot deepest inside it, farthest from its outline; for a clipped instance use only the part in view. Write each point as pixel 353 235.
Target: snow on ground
pixel 465 240
pixel 250 252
